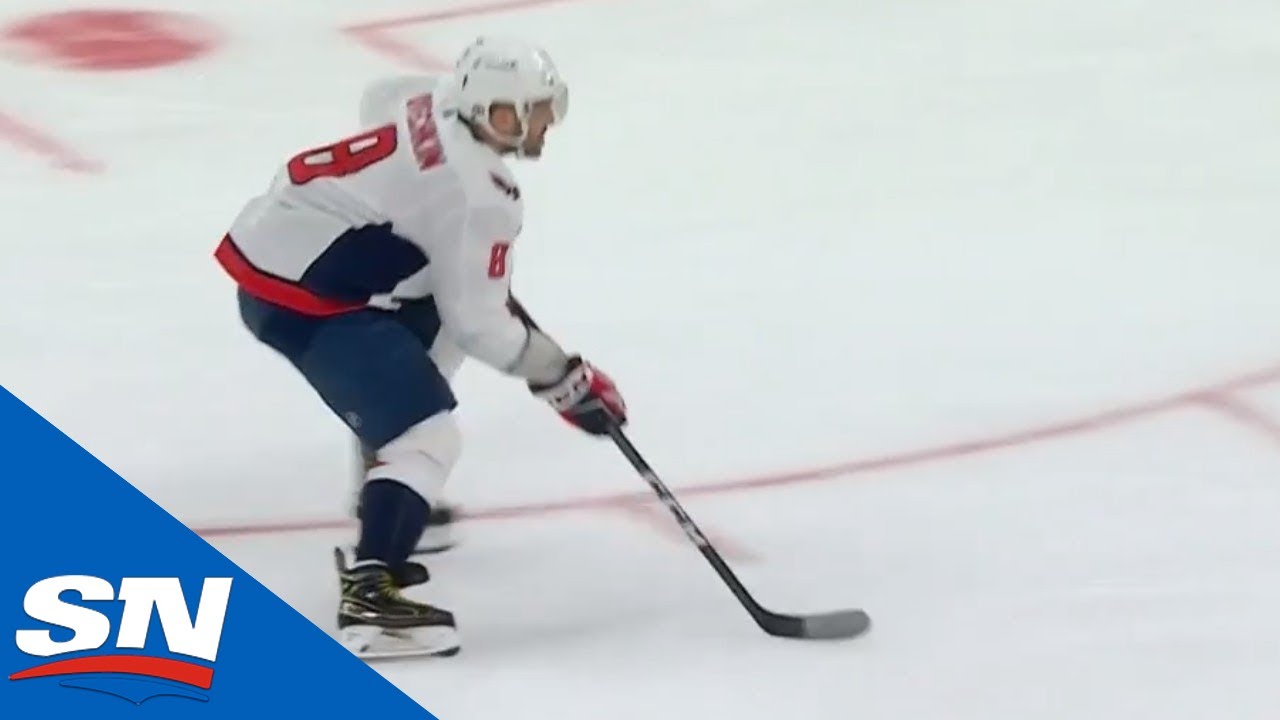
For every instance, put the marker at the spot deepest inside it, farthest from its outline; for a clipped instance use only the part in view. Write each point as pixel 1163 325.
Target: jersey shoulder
pixel 382 101
pixel 443 150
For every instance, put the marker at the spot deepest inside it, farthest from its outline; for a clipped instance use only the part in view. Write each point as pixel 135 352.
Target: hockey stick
pixel 836 625
pixel 825 626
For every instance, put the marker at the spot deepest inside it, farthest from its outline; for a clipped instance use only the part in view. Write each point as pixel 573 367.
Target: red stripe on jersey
pixel 274 290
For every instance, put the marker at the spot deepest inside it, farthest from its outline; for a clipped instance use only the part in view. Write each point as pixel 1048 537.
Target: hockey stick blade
pixel 838 625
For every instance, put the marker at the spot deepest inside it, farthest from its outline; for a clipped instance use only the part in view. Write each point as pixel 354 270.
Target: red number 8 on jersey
pixel 498 259
pixel 343 157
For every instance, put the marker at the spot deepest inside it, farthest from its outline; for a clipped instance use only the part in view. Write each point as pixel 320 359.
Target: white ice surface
pixel 797 234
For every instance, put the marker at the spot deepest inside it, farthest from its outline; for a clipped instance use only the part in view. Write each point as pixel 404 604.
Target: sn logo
pixel 144 676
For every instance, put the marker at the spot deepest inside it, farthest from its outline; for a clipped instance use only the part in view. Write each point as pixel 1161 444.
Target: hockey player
pixel 375 265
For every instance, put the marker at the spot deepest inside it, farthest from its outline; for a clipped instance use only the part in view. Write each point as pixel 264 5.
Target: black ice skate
pixel 376 621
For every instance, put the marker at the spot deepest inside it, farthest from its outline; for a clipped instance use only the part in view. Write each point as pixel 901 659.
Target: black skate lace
pixel 388 589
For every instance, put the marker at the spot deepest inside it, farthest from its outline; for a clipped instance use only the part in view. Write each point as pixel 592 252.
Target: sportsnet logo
pixel 134 676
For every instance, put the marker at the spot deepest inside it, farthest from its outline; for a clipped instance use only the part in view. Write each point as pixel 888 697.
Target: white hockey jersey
pixel 411 208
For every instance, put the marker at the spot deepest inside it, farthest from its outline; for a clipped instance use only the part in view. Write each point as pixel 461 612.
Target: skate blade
pixel 425 549
pixel 435 539
pixel 369 642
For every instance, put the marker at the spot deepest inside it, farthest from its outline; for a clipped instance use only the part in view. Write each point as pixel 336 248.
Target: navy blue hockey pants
pixel 369 366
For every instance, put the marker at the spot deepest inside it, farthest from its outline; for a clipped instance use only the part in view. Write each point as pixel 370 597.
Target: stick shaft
pixel 691 529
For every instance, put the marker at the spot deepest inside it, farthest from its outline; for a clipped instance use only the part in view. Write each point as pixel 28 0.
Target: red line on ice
pixel 396 49
pixel 38 142
pixel 911 458
pixel 651 516
pixel 461 11
pixel 376 36
pixel 1244 413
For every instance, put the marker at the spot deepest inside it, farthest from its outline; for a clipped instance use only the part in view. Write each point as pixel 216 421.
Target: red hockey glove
pixel 585 397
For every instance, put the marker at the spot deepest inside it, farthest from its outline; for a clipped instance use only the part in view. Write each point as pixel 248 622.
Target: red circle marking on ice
pixel 109 39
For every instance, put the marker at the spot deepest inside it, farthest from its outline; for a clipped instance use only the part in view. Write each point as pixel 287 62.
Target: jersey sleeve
pixel 471 277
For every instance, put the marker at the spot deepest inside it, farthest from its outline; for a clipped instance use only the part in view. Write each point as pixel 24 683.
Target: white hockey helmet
pixel 510 71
